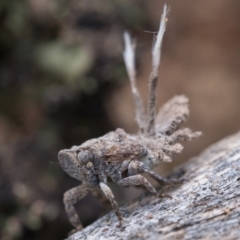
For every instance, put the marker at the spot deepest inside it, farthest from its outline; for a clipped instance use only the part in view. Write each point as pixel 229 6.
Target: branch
pixel 205 206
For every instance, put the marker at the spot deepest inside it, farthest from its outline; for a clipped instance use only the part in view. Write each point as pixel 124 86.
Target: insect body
pixel 120 157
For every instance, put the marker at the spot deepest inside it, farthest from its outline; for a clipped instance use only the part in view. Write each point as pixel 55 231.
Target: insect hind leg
pixel 137 180
pixel 136 166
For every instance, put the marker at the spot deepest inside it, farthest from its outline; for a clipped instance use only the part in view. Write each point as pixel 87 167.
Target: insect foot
pixel 120 157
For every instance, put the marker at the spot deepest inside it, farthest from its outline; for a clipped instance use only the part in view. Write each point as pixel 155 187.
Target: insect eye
pixel 89 165
pixel 85 156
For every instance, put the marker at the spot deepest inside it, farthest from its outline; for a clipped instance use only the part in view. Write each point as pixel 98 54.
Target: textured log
pixel 205 206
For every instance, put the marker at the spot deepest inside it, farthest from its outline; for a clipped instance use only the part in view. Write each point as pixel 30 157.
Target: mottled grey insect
pixel 120 157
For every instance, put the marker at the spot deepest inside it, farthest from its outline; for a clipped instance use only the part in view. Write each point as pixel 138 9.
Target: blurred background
pixel 63 81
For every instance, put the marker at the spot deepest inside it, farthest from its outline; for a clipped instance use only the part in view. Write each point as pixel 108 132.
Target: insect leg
pixel 96 193
pixel 71 197
pixel 136 166
pixel 108 193
pixel 137 180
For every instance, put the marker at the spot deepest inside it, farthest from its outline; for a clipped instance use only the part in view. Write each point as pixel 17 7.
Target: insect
pixel 120 157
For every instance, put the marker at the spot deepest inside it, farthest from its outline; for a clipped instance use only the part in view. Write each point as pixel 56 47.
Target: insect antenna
pixel 54 163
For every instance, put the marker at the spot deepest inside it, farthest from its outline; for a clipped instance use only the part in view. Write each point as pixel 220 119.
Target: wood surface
pixel 205 206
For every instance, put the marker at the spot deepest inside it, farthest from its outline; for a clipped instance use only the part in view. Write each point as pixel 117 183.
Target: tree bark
pixel 205 206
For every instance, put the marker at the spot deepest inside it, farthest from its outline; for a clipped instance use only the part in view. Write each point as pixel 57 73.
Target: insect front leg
pixel 108 193
pixel 71 197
